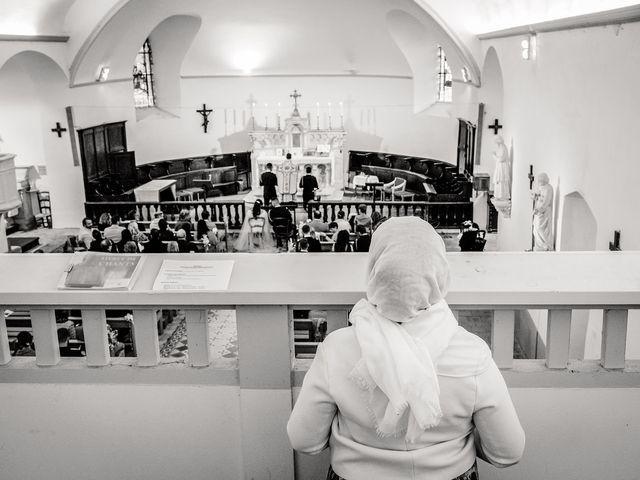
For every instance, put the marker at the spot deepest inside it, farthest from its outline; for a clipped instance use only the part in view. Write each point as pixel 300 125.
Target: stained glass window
pixel 143 91
pixel 445 89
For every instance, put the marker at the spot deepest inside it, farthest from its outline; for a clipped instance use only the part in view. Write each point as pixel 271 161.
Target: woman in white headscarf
pixel 406 393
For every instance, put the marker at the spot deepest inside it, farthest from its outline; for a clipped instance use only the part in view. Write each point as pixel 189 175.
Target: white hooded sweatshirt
pixel 405 392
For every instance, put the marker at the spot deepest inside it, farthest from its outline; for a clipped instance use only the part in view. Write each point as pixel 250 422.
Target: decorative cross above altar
pixel 295 95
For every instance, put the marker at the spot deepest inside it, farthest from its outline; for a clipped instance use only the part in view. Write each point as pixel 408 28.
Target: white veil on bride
pixel 256 233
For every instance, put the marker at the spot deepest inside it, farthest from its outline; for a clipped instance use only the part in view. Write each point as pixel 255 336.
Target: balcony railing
pixel 266 289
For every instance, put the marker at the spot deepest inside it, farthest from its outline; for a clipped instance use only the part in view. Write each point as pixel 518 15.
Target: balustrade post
pixel 198 337
pixel 614 338
pixel 502 336
pixel 145 326
pixel 94 326
pixel 45 337
pixel 558 337
pixel 264 361
pixel 5 351
pixel 237 218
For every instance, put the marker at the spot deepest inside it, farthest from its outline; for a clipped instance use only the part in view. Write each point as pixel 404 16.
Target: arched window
pixel 143 91
pixel 445 89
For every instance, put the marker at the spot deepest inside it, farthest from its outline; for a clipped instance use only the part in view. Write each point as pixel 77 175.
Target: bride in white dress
pixel 256 233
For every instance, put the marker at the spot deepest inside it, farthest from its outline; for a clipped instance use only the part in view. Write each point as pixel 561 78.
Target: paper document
pixel 194 275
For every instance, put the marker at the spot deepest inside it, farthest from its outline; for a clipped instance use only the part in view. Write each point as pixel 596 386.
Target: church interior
pixel 278 136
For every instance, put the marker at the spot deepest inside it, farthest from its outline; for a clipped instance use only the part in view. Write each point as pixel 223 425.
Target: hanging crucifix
pixel 58 130
pixel 295 95
pixel 531 177
pixel 495 126
pixel 205 116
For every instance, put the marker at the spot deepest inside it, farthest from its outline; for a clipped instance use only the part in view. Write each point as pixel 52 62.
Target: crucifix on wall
pixel 495 126
pixel 58 130
pixel 205 116
pixel 295 95
pixel 531 177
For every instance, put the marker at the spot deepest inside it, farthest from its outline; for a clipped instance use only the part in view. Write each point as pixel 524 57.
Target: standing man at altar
pixel 269 182
pixel 309 185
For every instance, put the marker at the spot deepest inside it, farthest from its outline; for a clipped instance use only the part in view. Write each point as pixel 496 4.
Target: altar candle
pixel 318 115
pixel 329 115
pixel 278 115
pixel 341 115
pixel 266 119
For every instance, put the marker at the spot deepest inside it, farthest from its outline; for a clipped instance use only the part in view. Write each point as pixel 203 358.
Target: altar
pixel 294 147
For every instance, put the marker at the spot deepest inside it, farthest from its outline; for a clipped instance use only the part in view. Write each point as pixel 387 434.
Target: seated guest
pixel 317 224
pixel 133 226
pixel 116 348
pixel 155 223
pixel 303 246
pixel 126 238
pixel 405 392
pixel 342 242
pixel 184 246
pixel 204 225
pixel 468 239
pixel 164 232
pixel 281 220
pixel 114 231
pixel 106 246
pixel 65 348
pixel 362 218
pixel 130 247
pixel 94 246
pixel 376 220
pixel 172 247
pixel 24 345
pixel 85 235
pixel 313 244
pixel 184 223
pixel 363 240
pixel 155 245
pixel 104 221
pixel 331 235
pixel 342 222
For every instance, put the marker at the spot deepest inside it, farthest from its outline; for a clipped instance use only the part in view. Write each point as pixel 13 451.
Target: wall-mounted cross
pixel 58 130
pixel 615 245
pixel 531 177
pixel 205 116
pixel 495 126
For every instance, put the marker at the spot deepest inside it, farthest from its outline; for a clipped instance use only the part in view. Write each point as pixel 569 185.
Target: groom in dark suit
pixel 269 182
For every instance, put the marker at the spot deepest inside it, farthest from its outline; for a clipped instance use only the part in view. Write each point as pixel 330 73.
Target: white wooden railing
pixel 264 290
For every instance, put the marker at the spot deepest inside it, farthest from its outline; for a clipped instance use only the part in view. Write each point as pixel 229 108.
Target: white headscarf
pixel 404 326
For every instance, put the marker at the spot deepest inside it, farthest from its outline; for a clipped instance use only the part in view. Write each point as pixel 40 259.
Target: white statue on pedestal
pixel 502 172
pixel 542 215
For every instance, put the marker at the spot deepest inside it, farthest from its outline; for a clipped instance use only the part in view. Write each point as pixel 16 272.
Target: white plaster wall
pixel 573 113
pixel 102 432
pixel 378 115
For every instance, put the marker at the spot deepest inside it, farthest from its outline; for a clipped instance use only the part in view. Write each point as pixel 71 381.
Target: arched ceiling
pixel 278 36
pixel 47 17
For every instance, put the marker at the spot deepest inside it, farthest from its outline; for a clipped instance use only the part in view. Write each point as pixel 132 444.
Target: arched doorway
pixel 34 93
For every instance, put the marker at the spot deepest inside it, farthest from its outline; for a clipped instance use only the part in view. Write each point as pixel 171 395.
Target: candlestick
pixel 266 119
pixel 329 115
pixel 278 115
pixel 341 115
pixel 317 115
